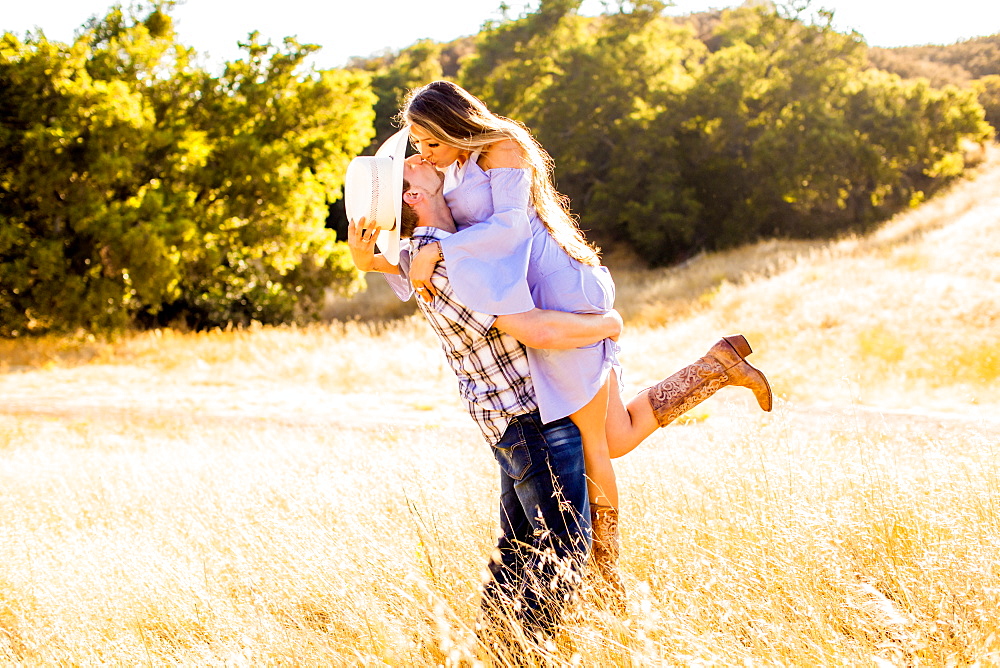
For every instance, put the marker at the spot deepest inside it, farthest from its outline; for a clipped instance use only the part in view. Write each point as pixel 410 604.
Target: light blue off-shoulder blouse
pixel 503 260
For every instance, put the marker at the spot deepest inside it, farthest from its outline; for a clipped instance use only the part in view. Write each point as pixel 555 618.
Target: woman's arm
pixel 422 268
pixel 500 242
pixel 559 330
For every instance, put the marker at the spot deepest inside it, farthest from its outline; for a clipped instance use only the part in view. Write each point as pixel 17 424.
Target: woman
pixel 517 248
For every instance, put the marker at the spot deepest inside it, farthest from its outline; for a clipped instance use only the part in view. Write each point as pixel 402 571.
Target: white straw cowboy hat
pixel 373 190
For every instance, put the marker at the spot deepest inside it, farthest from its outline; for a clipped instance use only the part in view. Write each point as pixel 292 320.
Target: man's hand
pixel 422 268
pixel 361 242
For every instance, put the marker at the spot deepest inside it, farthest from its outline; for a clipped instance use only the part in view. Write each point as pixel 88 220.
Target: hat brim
pixel 394 148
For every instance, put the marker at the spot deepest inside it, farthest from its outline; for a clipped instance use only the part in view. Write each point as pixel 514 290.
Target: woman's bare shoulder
pixel 502 154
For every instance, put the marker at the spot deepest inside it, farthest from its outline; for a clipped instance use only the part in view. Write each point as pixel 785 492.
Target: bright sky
pixel 345 28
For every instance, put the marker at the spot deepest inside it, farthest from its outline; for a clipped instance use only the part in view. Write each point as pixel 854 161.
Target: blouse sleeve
pixel 400 283
pixel 400 286
pixel 488 261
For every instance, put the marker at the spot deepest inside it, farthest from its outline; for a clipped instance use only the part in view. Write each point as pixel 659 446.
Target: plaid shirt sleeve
pixel 446 304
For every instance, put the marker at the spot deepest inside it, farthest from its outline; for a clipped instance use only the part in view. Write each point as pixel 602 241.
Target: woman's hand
pixel 422 268
pixel 361 243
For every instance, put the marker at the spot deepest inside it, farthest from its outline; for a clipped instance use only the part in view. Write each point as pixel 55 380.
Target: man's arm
pixel 559 330
pixel 361 243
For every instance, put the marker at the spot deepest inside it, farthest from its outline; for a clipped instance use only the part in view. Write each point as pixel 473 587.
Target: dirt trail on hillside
pixel 134 397
pixel 135 394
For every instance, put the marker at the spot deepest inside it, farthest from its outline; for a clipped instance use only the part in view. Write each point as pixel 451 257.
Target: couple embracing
pixel 523 309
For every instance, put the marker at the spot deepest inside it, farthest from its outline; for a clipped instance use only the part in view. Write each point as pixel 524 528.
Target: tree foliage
pixel 971 63
pixel 136 188
pixel 394 75
pixel 750 123
pixel 988 89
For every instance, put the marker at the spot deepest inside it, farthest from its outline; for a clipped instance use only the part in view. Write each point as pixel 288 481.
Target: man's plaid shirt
pixel 492 367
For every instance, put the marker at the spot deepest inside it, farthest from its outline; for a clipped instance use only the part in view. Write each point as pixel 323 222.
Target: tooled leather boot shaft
pixel 724 364
pixel 676 395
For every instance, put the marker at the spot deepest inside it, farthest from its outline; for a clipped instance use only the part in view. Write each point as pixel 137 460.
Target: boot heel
pixel 739 344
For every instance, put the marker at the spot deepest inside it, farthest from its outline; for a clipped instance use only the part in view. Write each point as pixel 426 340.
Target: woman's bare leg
pixel 627 426
pixel 591 421
pixel 724 364
pixel 603 490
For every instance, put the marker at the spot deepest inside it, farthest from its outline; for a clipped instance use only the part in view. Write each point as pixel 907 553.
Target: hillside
pixel 972 63
pixel 318 496
pixel 956 63
pixel 908 316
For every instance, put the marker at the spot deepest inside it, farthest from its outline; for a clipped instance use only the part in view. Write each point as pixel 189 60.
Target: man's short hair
pixel 408 216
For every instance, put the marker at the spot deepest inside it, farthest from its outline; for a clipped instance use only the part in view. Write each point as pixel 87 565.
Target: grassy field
pixel 317 496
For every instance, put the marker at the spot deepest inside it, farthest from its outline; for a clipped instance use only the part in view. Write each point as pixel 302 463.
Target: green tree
pixel 598 93
pixel 278 145
pixel 516 60
pixel 393 75
pixel 988 89
pixel 912 131
pixel 134 187
pixel 788 134
pixel 610 124
pixel 765 124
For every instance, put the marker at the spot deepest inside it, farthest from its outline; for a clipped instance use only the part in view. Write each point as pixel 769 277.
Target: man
pixel 543 492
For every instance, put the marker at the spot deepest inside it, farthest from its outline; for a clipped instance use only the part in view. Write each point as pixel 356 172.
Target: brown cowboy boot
pixel 605 551
pixel 722 365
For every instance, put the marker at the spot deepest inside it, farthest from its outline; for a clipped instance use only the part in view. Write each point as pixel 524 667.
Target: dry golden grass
pixel 317 496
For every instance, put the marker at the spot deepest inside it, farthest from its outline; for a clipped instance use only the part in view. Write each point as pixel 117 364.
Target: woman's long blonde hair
pixel 455 117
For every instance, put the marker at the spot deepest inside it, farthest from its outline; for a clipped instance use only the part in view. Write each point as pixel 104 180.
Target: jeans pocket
pixel 512 453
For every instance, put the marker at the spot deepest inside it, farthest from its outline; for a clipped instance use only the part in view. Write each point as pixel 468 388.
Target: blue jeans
pixel 545 520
